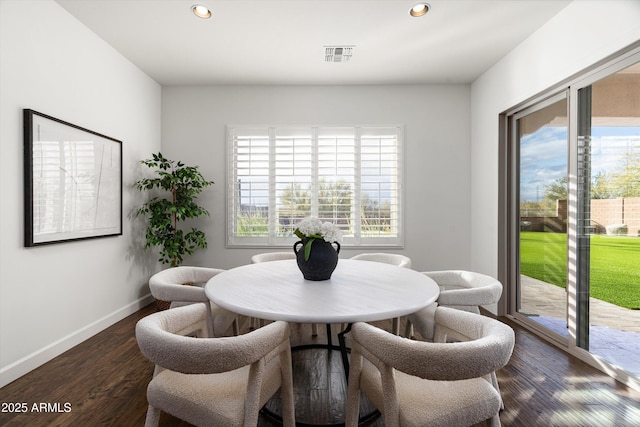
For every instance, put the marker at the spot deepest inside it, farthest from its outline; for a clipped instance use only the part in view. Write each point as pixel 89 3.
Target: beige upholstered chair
pixel 394 259
pixel 272 256
pixel 464 290
pixel 214 381
pixel 417 383
pixel 169 285
pixel 459 289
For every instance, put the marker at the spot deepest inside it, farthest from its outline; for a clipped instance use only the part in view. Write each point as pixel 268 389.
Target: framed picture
pixel 72 182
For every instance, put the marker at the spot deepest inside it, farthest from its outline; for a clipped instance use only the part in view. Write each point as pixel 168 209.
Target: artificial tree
pixel 180 184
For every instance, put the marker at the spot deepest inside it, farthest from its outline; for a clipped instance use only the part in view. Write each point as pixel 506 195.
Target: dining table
pixel 358 291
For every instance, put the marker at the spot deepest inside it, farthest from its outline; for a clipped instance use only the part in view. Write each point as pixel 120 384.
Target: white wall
pixel 436 121
pixel 54 296
pixel 580 35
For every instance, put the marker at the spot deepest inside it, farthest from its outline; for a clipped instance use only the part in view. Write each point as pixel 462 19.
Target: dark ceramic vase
pixel 323 259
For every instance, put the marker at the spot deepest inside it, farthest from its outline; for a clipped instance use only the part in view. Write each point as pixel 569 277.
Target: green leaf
pixel 307 248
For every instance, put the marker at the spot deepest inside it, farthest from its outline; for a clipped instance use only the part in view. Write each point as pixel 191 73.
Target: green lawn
pixel 615 264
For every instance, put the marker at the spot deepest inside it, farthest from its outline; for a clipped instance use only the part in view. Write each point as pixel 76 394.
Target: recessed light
pixel 419 9
pixel 201 11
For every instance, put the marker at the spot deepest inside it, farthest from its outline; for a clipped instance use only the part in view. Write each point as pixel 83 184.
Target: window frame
pixel 273 241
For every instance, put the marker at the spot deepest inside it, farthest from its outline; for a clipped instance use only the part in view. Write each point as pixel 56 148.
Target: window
pixel 346 175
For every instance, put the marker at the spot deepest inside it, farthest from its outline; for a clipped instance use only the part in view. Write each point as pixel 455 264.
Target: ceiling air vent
pixel 338 53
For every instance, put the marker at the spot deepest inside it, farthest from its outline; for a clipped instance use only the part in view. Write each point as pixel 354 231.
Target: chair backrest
pixel 159 339
pixel 466 288
pixel 395 259
pixel 272 256
pixel 487 347
pixel 168 285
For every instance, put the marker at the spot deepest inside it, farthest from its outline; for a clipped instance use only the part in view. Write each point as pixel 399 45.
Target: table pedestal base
pixel 326 388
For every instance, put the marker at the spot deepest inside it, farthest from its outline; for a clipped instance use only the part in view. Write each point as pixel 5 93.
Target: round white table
pixel 358 291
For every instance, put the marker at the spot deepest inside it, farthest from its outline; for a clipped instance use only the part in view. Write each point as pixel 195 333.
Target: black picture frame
pixel 72 182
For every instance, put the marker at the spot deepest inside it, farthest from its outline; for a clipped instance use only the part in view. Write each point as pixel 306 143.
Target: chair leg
pixel 153 417
pixel 494 421
pixel 314 330
pixel 236 328
pixel 353 392
pixel 286 390
pixel 395 328
pixel 210 329
pixel 256 323
pixel 408 329
pixel 494 381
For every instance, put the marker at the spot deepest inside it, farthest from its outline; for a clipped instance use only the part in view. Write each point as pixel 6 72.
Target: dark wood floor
pixel 103 382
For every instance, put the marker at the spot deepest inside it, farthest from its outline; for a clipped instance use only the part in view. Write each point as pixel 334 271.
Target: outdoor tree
pixel 602 187
pixel 295 199
pixel 335 203
pixel 376 216
pixel 334 200
pixel 624 181
pixel 557 190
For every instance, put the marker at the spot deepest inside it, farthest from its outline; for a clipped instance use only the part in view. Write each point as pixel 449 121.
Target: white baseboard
pixel 30 362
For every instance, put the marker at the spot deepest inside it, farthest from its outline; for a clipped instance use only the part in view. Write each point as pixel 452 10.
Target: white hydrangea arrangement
pixel 312 228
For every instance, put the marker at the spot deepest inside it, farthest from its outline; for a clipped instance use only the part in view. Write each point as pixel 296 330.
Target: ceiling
pixel 283 41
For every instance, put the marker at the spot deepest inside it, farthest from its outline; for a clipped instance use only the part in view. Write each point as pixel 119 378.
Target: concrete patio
pixel 614 332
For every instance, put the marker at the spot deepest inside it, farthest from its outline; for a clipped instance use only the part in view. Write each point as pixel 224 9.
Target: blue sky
pixel 544 155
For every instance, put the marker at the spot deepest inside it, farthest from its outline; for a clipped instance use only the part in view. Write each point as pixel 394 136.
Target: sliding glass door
pixel 608 218
pixel 541 140
pixel 574 223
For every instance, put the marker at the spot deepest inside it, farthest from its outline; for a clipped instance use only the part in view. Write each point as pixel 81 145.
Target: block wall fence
pixel 604 213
